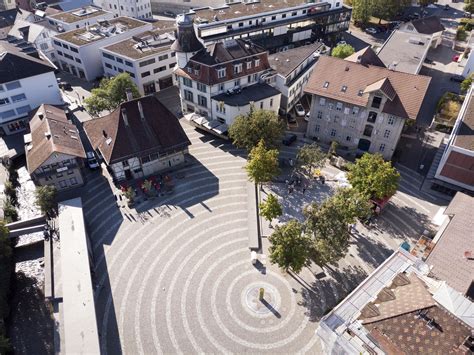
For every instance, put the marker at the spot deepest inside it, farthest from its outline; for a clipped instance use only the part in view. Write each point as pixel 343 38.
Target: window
pixel 344 88
pixel 119 60
pixel 7 114
pixel 249 65
pixel 75 50
pixel 128 64
pixel 346 110
pixel 44 46
pixel 131 74
pixel 146 62
pixel 4 101
pixel 382 147
pixel 163 57
pixel 322 101
pixel 237 68
pixel 78 60
pixel 326 84
pixel 391 120
pixel 13 85
pixel 220 107
pixel 355 110
pixel 348 138
pixel 271 102
pixel 317 128
pixel 107 65
pixel 330 105
pixel 257 62
pixel 293 13
pixel 221 73
pixel 372 117
pixel 187 82
pixel 368 130
pixel 125 163
pixel 237 82
pixel 18 98
pixel 160 69
pixel 73 181
pixel 68 56
pixel 120 70
pixel 188 95
pixel 336 119
pixel 108 56
pixel 283 16
pixel 261 105
pixel 171 66
pixel 241 24
pixel 320 114
pixel 62 183
pixel 202 101
pixel 386 134
pixel 60 53
pixel 201 87
pixel 339 106
pixel 57 43
pixel 377 100
pixel 173 54
pixel 23 109
pixel 333 132
pixel 145 74
pixel 274 18
pixel 221 87
pixel 65 46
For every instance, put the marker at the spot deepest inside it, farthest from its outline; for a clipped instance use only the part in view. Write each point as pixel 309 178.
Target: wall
pixel 39 89
pixel 140 9
pixel 64 179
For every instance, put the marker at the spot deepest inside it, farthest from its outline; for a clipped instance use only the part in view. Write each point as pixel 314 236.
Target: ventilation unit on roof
pixel 416 40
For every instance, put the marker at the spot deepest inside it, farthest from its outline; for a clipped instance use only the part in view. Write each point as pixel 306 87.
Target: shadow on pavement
pixel 369 250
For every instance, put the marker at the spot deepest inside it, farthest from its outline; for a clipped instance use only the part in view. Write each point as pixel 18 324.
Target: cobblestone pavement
pixel 176 276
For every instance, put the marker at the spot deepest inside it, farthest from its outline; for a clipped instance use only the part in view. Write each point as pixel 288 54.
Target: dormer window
pixel 237 68
pixel 326 84
pixel 221 73
pixel 360 92
pixel 190 70
pixel 249 65
pixel 344 88
pixel 376 102
pixel 257 62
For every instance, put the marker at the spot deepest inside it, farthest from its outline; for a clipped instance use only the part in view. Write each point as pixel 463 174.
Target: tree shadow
pixel 31 325
pixel 222 144
pixel 371 251
pixel 323 295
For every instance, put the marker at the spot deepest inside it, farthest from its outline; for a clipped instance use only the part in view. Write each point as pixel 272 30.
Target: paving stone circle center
pixel 270 302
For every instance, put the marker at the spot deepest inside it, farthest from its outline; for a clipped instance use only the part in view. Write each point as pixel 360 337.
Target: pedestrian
pixel 304 189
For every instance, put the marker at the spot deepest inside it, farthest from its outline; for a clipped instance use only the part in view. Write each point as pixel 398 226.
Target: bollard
pixel 261 293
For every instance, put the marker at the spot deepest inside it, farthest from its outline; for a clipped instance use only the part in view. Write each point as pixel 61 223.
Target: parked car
pixel 341 43
pixel 92 161
pixel 65 85
pixel 457 78
pixel 446 7
pixel 290 118
pixel 289 138
pixel 299 109
pixel 371 30
pixel 306 117
pixel 169 14
pixel 428 61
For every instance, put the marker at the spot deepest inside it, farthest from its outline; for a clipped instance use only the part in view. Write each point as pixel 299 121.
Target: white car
pixel 371 30
pixel 92 161
pixel 299 109
pixel 306 117
pixel 341 43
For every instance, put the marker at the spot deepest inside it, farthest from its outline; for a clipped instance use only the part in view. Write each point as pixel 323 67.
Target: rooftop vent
pixel 347 68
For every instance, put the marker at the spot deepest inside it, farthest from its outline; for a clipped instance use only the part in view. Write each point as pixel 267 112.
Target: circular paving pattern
pixel 177 278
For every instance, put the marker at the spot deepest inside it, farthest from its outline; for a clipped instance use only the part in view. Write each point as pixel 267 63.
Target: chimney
pixel 129 94
pixel 104 133
pixel 140 109
pixel 124 116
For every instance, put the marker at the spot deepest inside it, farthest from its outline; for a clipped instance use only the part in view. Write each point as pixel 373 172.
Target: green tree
pixel 129 194
pixel 110 93
pixel 247 130
pixel 351 205
pixel 271 208
pixel 466 84
pixel 342 51
pixel 289 246
pixel 46 198
pixel 372 176
pixel 310 157
pixel 426 2
pixel 262 165
pixel 10 191
pixel 469 6
pixel 9 211
pixel 361 11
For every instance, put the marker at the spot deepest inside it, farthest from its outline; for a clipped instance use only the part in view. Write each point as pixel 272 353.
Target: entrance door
pixel 149 88
pixel 364 145
pixel 128 174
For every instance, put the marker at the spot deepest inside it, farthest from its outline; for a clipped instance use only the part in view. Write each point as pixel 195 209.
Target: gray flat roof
pixel 399 53
pixel 285 62
pixel 80 323
pixel 255 92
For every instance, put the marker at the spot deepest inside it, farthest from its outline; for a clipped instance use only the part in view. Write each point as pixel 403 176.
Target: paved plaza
pixel 175 275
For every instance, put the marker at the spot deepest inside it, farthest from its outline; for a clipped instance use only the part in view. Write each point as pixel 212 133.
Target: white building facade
pixel 147 58
pixel 140 9
pixel 78 51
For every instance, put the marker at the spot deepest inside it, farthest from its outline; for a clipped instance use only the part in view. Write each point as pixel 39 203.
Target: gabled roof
pixel 26 30
pixel 123 133
pixel 383 85
pixel 51 132
pixel 227 51
pixel 7 17
pixel 366 56
pixel 428 25
pixel 15 65
pixel 410 89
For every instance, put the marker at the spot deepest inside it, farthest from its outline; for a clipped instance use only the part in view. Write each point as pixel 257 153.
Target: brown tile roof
pixel 428 25
pixel 159 131
pixel 285 62
pixel 52 133
pixel 410 89
pixel 366 56
pixel 465 134
pixel 447 258
pixel 383 85
pixel 216 56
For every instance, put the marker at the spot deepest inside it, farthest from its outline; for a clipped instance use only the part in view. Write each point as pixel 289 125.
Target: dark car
pixel 428 61
pixel 289 138
pixel 457 78
pixel 65 86
pixel 290 118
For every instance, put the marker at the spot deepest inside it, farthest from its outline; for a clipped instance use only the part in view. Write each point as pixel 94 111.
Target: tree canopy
pixel 373 177
pixel 46 198
pixel 110 94
pixel 466 83
pixel 247 130
pixel 309 157
pixel 363 10
pixel 262 165
pixel 289 246
pixel 469 6
pixel 271 208
pixel 342 51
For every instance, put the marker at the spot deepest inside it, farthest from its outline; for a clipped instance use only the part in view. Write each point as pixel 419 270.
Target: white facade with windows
pixel 140 9
pixel 355 127
pixel 151 72
pixel 19 97
pixel 78 51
